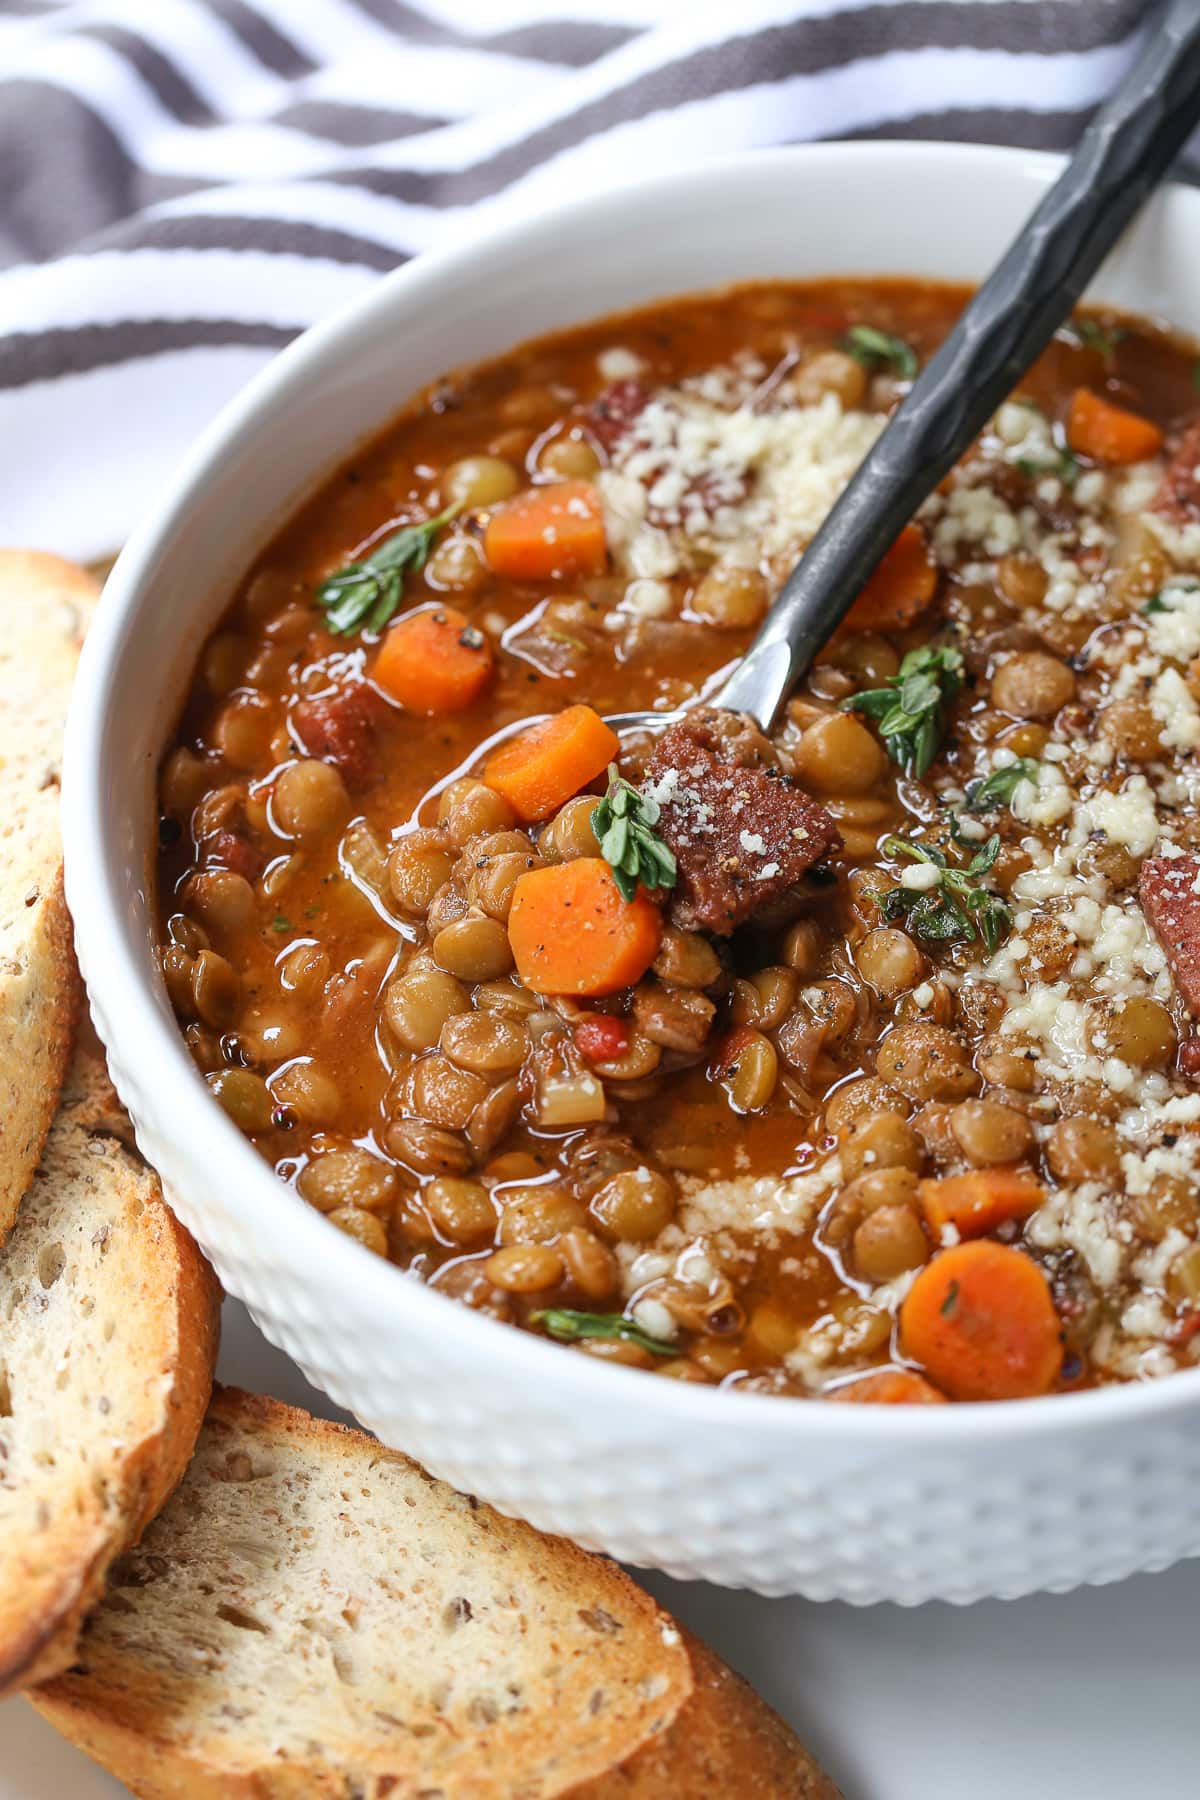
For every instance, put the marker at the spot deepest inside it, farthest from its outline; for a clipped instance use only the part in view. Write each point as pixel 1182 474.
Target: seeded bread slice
pixel 45 604
pixel 312 1615
pixel 108 1333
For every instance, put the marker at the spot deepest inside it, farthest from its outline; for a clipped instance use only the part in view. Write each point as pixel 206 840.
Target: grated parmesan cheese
pixel 761 1203
pixel 732 478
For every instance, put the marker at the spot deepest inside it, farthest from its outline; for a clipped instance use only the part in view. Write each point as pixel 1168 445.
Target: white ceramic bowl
pixel 858 1503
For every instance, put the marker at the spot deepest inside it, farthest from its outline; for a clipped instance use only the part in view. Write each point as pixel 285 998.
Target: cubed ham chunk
pixel 1178 496
pixel 1169 890
pixel 339 728
pixel 613 412
pixel 741 830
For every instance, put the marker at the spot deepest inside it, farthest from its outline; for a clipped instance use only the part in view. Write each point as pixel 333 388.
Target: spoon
pixel 1121 157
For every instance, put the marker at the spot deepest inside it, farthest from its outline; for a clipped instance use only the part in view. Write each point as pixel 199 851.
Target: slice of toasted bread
pixel 45 604
pixel 314 1616
pixel 108 1333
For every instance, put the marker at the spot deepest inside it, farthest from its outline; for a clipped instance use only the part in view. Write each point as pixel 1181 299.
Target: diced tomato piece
pixel 727 1050
pixel 614 411
pixel 231 850
pixel 601 1038
pixel 339 728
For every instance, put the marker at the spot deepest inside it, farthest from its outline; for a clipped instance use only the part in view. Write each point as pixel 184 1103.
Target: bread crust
pixel 45 604
pixel 725 1740
pixel 151 1710
pixel 38 1012
pixel 77 1520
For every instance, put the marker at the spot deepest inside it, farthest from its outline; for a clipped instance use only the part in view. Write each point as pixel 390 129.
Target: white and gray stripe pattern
pixel 188 183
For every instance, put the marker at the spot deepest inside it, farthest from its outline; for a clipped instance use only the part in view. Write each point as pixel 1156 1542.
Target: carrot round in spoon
pixel 572 933
pixel 555 759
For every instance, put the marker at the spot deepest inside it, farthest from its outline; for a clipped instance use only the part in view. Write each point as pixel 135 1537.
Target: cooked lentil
pixel 816 1086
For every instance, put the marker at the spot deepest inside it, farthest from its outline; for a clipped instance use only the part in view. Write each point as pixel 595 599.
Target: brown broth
pixel 273 651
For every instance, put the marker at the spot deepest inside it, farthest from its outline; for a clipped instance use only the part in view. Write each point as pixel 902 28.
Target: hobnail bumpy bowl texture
pixel 855 1503
pixel 729 1505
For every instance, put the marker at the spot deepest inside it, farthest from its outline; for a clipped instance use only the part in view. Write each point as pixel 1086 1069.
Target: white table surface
pixel 1084 1696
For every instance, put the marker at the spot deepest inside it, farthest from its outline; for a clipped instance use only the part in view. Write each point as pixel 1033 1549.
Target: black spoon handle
pixel 1122 155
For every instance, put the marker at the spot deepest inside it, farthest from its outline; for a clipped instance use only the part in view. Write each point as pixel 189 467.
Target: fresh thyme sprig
pixel 624 823
pixel 998 788
pixel 881 350
pixel 1089 334
pixel 957 908
pixel 364 595
pixel 573 1327
pixel 909 711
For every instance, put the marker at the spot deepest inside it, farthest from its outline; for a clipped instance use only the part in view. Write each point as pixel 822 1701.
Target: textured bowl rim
pixel 122 983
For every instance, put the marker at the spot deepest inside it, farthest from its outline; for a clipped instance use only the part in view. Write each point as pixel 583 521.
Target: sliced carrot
pixel 1107 433
pixel 545 531
pixel 900 589
pixel 572 933
pixel 980 1320
pixel 980 1200
pixel 889 1387
pixel 434 661
pixel 542 768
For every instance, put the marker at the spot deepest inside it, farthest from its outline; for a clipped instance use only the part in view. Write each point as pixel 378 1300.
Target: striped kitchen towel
pixel 188 183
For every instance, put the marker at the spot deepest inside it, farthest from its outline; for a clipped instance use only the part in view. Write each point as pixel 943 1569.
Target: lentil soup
pixel 855 1062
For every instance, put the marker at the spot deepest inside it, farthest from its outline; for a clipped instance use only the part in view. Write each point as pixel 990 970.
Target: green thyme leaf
pixel 624 823
pixel 951 1300
pixel 880 350
pixel 1062 464
pixel 958 909
pixel 909 710
pixel 992 917
pixel 998 788
pixel 934 917
pixel 573 1327
pixel 1161 602
pixel 279 923
pixel 927 853
pixel 984 859
pixel 364 595
pixel 1089 334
